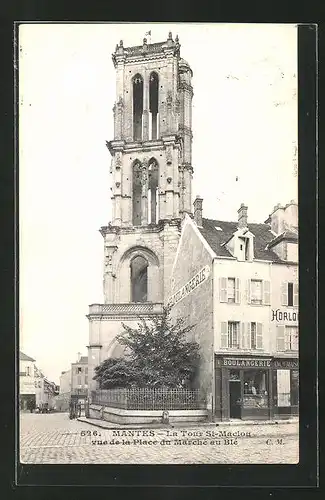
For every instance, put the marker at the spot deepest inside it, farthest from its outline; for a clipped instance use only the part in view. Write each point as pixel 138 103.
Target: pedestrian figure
pixel 72 409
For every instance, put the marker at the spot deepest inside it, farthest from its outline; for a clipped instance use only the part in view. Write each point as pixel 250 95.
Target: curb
pixel 108 425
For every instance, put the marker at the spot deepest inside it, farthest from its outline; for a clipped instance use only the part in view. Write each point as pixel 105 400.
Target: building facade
pixel 237 283
pixel 151 171
pixel 27 391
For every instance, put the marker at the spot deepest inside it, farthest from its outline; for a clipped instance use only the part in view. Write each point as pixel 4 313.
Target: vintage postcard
pixel 159 318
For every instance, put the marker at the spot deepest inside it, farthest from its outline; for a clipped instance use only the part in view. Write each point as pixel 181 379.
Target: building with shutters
pixel 237 282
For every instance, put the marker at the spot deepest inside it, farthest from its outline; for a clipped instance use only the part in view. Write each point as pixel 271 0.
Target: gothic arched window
pixel 136 193
pixel 137 106
pixel 153 176
pixel 139 279
pixel 153 105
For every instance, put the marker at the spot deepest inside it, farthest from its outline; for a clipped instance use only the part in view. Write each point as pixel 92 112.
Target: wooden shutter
pixel 237 291
pixel 280 338
pixel 224 334
pixel 267 292
pixel 248 336
pixel 295 294
pixel 242 339
pixel 284 293
pixel 248 291
pixel 223 289
pixel 259 336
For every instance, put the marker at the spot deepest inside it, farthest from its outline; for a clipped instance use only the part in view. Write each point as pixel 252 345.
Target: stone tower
pixel 151 171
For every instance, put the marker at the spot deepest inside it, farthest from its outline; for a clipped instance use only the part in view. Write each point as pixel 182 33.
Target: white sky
pixel 244 126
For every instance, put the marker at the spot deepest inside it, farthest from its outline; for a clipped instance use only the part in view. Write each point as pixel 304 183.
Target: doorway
pixel 234 395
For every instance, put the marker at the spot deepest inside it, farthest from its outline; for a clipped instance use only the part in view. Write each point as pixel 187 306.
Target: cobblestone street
pixel 53 438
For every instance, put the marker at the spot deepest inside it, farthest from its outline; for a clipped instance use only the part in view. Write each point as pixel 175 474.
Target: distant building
pixel 79 375
pixel 73 384
pixel 65 382
pixel 27 390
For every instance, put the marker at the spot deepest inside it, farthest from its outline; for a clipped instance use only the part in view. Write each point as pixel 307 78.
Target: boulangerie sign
pixel 129 380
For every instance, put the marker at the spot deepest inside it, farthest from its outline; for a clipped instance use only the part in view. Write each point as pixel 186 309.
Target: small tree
pixel 157 354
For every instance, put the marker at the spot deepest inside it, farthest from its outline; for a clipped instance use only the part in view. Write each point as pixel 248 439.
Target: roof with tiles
pixel 24 357
pixel 217 237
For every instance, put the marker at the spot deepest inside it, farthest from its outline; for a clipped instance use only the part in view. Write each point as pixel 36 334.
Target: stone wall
pixel 196 307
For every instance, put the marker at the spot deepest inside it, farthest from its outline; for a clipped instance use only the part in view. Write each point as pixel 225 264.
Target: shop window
pixel 229 290
pixel 255 382
pixel 233 334
pixel 234 375
pixel 289 294
pixel 255 389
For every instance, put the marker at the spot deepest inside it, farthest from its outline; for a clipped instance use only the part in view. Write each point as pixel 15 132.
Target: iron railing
pixel 150 399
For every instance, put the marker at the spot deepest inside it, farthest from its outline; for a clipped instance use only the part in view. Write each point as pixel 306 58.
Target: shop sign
pixel 193 283
pixel 278 315
pixel 285 363
pixel 246 362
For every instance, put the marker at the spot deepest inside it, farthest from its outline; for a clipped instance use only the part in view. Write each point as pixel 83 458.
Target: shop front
pixel 285 375
pixel 254 388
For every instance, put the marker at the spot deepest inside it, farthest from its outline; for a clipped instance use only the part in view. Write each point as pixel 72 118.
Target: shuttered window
pixel 289 294
pixel 280 346
pixel 229 290
pixel 233 334
pixel 258 292
pixel 291 338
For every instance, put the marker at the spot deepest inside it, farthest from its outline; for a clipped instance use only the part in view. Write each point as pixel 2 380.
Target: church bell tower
pixel 151 171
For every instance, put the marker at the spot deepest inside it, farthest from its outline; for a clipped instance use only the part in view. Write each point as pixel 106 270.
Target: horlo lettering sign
pixel 278 315
pixel 197 280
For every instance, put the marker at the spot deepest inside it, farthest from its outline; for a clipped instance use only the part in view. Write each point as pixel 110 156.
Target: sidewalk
pixel 188 425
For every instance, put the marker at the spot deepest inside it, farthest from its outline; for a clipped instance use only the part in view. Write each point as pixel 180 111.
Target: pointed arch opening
pixel 153 105
pixel 139 279
pixel 137 84
pixel 153 180
pixel 136 193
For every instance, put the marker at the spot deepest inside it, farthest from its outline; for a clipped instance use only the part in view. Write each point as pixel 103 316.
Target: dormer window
pixel 245 250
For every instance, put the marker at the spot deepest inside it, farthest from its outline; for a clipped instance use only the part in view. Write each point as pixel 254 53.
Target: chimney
pixel 198 210
pixel 242 216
